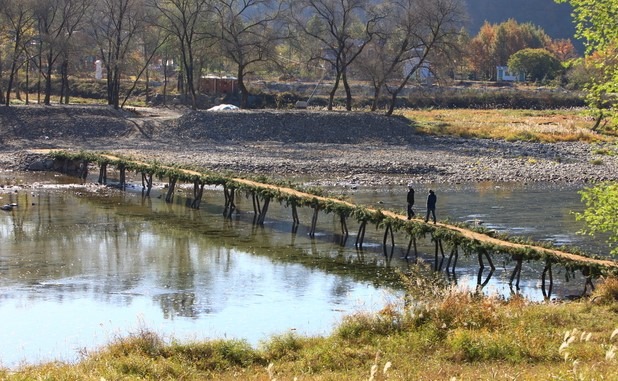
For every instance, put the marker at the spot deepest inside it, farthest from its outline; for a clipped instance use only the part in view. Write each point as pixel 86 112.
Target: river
pixel 80 267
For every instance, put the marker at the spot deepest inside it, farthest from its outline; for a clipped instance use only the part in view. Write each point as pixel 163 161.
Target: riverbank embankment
pixel 326 148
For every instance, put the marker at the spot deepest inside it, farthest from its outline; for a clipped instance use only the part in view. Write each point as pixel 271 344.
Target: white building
pixel 503 74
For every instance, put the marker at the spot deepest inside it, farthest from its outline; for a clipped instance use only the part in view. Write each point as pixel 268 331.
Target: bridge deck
pixel 468 234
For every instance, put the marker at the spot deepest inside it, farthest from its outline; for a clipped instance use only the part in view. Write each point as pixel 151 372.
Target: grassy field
pixel 511 125
pixel 439 333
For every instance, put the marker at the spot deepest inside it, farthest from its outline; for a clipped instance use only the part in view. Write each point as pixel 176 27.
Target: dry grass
pixel 512 125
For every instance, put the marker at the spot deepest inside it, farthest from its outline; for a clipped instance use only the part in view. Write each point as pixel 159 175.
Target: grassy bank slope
pixel 451 335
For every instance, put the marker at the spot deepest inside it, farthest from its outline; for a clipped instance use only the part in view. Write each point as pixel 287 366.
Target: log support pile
pixel 361 234
pixel 482 252
pixel 388 232
pixel 438 250
pixel 122 183
pixel 171 187
pixel 146 183
pixel 103 174
pixel 547 273
pixel 454 255
pixel 411 244
pixel 344 228
pixel 230 203
pixel 516 275
pixel 264 209
pixel 198 192
pixel 295 220
pixel 314 220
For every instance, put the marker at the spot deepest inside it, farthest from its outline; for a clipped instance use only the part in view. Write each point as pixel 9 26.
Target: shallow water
pixel 78 268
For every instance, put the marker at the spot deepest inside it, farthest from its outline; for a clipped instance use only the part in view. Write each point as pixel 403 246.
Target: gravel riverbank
pixel 324 147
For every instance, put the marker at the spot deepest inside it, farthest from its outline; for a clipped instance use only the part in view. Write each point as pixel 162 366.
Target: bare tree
pixel 152 38
pixel 20 19
pixel 246 34
pixel 115 24
pixel 413 31
pixel 186 20
pixel 344 28
pixel 57 21
pixel 420 29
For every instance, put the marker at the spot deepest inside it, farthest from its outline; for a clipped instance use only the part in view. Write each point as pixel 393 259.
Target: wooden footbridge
pixel 457 237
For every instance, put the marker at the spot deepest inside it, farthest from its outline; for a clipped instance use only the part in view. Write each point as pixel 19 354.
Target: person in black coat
pixel 410 201
pixel 431 206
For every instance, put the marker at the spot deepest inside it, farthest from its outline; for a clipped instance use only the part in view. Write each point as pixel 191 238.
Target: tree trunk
pixel 1 81
pixel 391 106
pixel 64 82
pixel 187 60
pixel 147 86
pixel 376 96
pixel 165 78
pixel 244 93
pixel 331 96
pixel 10 84
pixel 348 92
pixel 48 79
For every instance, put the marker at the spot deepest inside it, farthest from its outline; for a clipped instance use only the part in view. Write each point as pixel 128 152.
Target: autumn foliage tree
pixel 496 43
pixel 481 59
pixel 537 64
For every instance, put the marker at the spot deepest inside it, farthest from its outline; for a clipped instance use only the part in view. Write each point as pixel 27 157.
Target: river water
pixel 80 267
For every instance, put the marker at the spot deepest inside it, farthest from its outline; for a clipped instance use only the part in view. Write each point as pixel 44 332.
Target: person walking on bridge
pixel 431 206
pixel 410 201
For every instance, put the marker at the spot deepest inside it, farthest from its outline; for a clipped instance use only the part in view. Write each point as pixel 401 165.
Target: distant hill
pixel 555 19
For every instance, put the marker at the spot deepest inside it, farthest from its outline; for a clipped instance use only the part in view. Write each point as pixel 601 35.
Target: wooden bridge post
pixel 169 197
pixel 344 228
pixel 453 255
pixel 103 173
pixel 257 208
pixel 344 225
pixel 587 273
pixel 438 249
pixel 123 175
pixel 389 229
pixel 230 206
pixel 412 242
pixel 198 192
pixel 262 216
pixel 146 183
pixel 295 220
pixel 361 234
pixel 314 220
pixel 483 252
pixel 516 271
pixel 547 270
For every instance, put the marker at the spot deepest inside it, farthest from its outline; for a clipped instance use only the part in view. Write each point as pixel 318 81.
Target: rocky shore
pixel 324 148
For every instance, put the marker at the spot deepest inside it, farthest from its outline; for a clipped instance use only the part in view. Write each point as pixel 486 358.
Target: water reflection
pixel 95 265
pixel 79 267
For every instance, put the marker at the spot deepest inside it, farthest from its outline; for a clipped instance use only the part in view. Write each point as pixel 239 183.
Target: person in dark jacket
pixel 410 201
pixel 431 206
